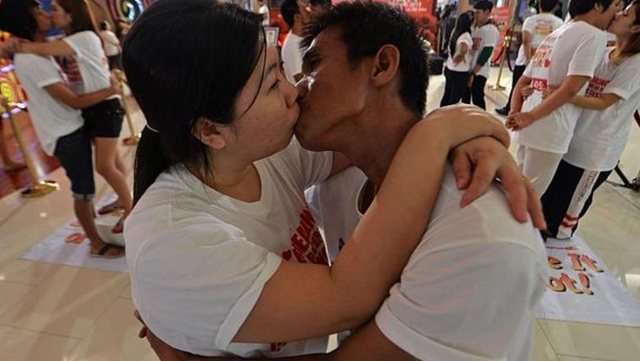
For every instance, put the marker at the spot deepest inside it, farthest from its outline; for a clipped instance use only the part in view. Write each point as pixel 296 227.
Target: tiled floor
pixel 53 312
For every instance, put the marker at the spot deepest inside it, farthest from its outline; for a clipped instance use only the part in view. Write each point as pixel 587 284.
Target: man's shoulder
pixel 29 60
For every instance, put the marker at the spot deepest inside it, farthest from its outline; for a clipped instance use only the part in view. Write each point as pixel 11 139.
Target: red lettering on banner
pixel 577 261
pixel 564 282
pixel 554 262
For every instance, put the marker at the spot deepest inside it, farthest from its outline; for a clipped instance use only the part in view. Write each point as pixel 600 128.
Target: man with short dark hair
pixel 297 15
pixel 319 7
pixel 485 36
pixel 53 108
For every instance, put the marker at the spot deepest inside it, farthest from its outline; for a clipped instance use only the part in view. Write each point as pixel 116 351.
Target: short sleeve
pixel 84 43
pixel 528 70
pixel 626 80
pixel 309 167
pixel 444 304
pixel 588 54
pixel 465 39
pixel 528 25
pixel 196 283
pixel 40 70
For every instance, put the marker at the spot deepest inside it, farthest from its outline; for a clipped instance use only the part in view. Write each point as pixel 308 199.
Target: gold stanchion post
pixel 506 45
pixel 134 137
pixel 38 188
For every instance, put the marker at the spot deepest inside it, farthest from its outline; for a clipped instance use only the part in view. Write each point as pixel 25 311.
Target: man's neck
pixel 591 18
pixel 298 29
pixel 375 137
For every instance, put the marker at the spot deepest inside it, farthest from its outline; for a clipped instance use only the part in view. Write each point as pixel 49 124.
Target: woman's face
pixel 59 17
pixel 267 126
pixel 624 21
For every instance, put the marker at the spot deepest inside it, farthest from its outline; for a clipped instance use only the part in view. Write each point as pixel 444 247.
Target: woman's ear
pixel 213 134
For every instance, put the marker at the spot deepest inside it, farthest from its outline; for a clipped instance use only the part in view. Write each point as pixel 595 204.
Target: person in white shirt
pixel 53 108
pixel 102 120
pixel 566 59
pixel 111 45
pixel 534 29
pixel 485 37
pixel 602 129
pixel 471 286
pixel 298 16
pixel 458 64
pixel 263 10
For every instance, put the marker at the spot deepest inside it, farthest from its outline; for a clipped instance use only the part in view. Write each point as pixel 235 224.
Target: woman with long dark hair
pixel 103 120
pixel 458 63
pixel 602 129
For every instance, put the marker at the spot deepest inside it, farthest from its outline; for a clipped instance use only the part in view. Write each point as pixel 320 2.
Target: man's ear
pixel 635 29
pixel 213 134
pixel 385 65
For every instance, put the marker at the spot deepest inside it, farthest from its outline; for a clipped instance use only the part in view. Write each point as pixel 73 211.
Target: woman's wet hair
pixel 187 60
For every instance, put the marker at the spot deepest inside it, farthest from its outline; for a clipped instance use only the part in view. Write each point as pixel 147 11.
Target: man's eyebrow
pixel 271 68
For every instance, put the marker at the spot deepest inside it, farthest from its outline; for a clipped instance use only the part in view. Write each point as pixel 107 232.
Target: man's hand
pixel 520 120
pixel 526 91
pixel 478 162
pixel 164 351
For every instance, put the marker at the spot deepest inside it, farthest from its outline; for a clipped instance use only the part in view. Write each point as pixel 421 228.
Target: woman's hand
pixel 520 120
pixel 478 162
pixel 461 122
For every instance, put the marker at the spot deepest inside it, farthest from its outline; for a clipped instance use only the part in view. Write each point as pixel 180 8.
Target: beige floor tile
pixel 113 337
pixel 23 345
pixel 26 272
pixel 626 266
pixel 574 358
pixel 542 350
pixel 126 293
pixel 11 293
pixel 68 302
pixel 593 341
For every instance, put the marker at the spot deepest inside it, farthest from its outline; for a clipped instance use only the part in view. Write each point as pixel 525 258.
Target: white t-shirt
pixel 600 136
pixel 111 42
pixel 92 61
pixel 484 36
pixel 471 287
pixel 575 48
pixel 466 64
pixel 264 9
pixel 51 118
pixel 198 259
pixel 292 56
pixel 539 26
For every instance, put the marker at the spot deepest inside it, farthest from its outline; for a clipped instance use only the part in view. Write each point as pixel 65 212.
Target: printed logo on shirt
pixel 476 43
pixel 543 27
pixel 70 66
pixel 596 87
pixel 538 84
pixel 542 56
pixel 307 245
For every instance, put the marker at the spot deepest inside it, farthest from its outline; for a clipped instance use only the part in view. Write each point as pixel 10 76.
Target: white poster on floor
pixel 69 246
pixel 581 288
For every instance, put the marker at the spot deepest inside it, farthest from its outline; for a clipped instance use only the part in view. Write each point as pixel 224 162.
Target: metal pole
pixel 39 188
pixel 506 45
pixel 134 137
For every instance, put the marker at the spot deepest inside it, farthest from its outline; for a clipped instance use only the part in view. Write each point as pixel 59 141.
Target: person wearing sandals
pixel 53 108
pixel 103 120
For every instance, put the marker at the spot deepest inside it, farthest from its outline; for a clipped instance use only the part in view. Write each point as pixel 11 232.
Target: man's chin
pixel 305 141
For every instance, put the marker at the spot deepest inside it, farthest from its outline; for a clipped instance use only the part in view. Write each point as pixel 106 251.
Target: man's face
pixel 332 91
pixel 43 20
pixel 481 16
pixel 607 16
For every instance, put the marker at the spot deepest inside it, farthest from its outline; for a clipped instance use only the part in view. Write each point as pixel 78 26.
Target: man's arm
pixel 54 48
pixel 592 103
pixel 526 43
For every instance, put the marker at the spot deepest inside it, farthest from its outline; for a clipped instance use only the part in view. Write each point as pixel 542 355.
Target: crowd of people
pixel 284 196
